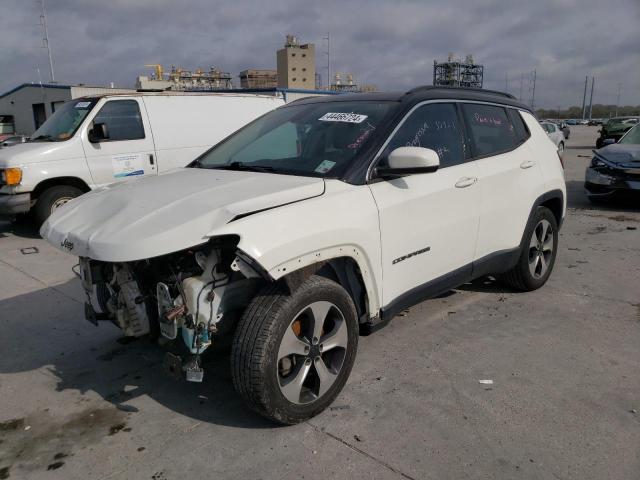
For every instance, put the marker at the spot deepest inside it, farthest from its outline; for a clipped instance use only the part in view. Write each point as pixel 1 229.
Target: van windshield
pixel 315 139
pixel 64 122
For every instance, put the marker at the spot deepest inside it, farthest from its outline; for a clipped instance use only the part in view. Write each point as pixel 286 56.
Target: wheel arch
pixel 346 265
pixel 554 201
pixel 57 181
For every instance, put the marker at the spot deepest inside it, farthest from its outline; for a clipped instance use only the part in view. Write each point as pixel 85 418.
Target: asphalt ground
pixel 77 402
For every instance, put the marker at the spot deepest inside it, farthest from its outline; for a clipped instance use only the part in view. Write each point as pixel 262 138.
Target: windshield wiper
pixel 40 137
pixel 245 167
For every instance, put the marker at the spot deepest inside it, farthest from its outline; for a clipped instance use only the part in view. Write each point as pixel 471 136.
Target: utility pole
pixel 584 97
pixel 618 99
pixel 533 91
pixel 45 40
pixel 521 85
pixel 593 80
pixel 328 53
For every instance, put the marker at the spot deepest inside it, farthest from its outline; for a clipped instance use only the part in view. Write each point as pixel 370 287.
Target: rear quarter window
pixel 491 129
pixel 519 127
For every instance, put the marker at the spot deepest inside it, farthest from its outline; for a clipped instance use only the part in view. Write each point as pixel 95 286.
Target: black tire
pixel 520 276
pixel 48 200
pixel 598 143
pixel 255 368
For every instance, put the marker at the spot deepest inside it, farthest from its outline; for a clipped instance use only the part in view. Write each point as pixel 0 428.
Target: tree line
pixel 598 111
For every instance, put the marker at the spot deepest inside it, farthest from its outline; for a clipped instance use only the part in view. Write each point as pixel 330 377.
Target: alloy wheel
pixel 312 352
pixel 541 249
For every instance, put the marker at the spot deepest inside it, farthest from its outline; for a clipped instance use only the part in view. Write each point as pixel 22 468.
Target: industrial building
pixel 185 80
pixel 253 78
pixel 297 65
pixel 343 83
pixel 458 73
pixel 24 108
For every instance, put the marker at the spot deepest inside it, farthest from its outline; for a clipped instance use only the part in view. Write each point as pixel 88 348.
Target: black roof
pixel 420 94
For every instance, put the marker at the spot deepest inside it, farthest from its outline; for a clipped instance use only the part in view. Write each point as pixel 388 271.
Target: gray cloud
pixel 388 43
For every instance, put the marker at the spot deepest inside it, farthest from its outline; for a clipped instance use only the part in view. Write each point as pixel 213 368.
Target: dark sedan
pixel 614 129
pixel 615 169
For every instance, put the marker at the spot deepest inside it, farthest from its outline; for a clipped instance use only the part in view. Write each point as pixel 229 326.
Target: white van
pixel 94 141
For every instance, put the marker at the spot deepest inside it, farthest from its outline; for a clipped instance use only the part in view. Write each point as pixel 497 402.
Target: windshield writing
pixel 318 139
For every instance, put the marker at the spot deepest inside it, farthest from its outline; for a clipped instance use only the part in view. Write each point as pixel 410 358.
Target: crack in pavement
pixel 361 452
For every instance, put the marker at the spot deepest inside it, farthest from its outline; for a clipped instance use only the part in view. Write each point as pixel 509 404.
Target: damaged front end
pixel 184 299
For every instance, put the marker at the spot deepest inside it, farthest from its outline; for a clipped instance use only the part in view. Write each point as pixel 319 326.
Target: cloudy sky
pixel 389 43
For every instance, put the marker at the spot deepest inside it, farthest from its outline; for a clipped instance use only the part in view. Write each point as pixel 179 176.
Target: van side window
pixel 522 132
pixel 433 126
pixel 122 118
pixel 491 129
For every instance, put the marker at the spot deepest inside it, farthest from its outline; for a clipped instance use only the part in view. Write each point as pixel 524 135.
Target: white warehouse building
pixel 24 108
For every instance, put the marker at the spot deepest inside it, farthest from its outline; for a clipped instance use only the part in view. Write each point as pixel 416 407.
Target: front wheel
pixel 561 149
pixel 51 199
pixel 292 352
pixel 537 255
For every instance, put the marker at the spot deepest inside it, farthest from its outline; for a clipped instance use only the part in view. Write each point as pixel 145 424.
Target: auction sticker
pixel 128 165
pixel 82 104
pixel 343 117
pixel 324 166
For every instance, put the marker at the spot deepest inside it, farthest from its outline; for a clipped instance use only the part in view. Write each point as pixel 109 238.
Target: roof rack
pixel 425 88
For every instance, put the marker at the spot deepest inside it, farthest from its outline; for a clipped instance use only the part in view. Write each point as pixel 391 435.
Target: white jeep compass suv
pixel 316 222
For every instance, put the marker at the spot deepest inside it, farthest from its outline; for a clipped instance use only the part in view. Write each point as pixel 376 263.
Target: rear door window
pixel 490 128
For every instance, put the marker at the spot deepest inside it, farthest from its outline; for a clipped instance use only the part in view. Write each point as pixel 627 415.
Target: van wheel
pixel 538 254
pixel 292 352
pixel 51 199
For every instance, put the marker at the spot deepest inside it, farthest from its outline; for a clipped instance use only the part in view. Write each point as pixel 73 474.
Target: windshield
pixel 632 137
pixel 316 139
pixel 64 122
pixel 617 123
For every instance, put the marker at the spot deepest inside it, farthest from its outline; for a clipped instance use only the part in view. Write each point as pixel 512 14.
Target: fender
pixel 296 236
pixel 546 199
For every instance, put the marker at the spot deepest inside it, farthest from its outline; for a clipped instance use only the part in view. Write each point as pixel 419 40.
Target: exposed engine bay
pixel 184 299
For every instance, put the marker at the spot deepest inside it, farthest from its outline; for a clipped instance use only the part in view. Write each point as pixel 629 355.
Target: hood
pixel 151 216
pixel 36 152
pixel 625 155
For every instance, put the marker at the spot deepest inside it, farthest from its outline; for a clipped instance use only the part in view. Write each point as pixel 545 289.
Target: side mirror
pixel 409 161
pixel 98 133
pixel 608 141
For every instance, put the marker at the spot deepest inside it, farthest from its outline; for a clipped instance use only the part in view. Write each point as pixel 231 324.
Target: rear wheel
pixel 292 352
pixel 51 199
pixel 537 255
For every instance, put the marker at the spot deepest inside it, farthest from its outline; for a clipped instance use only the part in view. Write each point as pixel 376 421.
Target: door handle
pixel 466 182
pixel 527 164
pixel 151 160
